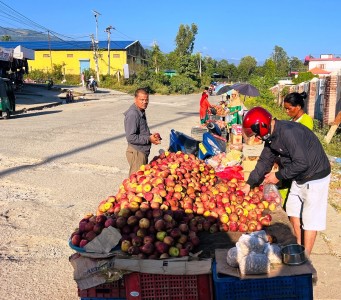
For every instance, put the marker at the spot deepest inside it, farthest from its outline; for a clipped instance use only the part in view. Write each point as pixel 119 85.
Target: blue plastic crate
pixel 281 287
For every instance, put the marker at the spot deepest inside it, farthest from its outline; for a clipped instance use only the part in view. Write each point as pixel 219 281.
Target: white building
pixel 326 62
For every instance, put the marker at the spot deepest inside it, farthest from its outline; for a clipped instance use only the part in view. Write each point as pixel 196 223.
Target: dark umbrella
pixel 245 89
pixel 224 89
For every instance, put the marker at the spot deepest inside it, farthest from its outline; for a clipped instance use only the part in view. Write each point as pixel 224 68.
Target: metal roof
pixel 68 45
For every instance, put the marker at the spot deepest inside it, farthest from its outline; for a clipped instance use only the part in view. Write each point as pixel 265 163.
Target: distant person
pixel 235 107
pixel 137 132
pixel 294 107
pixel 205 106
pixel 304 162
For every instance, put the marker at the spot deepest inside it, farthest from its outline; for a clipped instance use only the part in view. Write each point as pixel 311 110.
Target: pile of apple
pixel 160 208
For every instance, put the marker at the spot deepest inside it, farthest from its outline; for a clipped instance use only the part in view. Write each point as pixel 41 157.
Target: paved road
pixel 58 162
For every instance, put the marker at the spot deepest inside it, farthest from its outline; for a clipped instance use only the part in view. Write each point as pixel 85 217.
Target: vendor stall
pixel 170 227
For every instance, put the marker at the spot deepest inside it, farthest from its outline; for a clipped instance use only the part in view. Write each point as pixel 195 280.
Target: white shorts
pixel 309 202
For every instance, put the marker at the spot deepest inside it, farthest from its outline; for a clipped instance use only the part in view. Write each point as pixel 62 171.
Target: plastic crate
pixel 142 286
pixel 281 287
pixel 113 290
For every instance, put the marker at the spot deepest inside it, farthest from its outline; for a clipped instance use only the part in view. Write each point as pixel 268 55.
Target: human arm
pixel 263 166
pixel 294 157
pixel 136 128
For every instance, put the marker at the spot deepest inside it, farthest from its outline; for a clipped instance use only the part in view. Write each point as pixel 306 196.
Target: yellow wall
pixel 71 61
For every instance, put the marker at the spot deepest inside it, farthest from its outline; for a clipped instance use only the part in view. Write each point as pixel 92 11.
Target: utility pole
pixel 108 31
pixel 48 33
pixel 95 44
pixel 94 47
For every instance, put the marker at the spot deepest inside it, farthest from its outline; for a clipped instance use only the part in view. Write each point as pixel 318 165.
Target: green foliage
pixel 246 68
pixel 185 39
pixel 296 65
pixel 303 77
pixel 285 91
pixel 281 60
pixel 182 85
pixel 333 148
pixel 57 72
pixel 6 38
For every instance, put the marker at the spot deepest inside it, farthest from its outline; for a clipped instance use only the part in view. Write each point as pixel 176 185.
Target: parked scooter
pixel 91 84
pixel 49 83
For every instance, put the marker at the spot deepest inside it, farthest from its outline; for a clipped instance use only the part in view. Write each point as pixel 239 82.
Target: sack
pixel 179 141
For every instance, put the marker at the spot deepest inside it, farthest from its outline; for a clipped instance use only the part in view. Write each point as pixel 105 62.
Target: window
pixel 116 56
pixel 46 55
pixel 321 66
pixel 69 55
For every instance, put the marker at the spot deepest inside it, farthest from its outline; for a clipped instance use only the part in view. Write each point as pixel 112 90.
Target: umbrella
pixel 224 89
pixel 245 89
pixel 218 87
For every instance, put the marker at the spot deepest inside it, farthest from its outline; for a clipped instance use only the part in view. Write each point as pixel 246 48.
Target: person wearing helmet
pixel 302 160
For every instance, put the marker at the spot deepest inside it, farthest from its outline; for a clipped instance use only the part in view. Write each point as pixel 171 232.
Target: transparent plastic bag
pixel 271 193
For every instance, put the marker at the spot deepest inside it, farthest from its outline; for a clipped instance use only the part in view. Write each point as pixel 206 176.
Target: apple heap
pixel 162 206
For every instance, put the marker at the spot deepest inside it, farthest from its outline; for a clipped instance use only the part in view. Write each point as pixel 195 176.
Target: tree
pixel 281 60
pixel 296 65
pixel 269 71
pixel 246 67
pixel 185 39
pixel 156 58
pixel 6 38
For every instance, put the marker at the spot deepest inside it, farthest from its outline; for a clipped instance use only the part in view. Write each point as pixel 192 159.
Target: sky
pixel 227 29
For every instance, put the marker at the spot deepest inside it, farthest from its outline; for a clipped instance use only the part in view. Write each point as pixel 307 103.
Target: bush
pixel 182 85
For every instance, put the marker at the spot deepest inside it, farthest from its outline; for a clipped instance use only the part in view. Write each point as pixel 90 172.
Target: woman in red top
pixel 204 106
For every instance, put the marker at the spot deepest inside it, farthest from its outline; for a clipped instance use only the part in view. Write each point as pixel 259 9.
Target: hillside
pixel 20 35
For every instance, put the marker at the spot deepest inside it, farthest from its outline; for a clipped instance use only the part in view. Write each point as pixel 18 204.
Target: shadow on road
pixel 35 114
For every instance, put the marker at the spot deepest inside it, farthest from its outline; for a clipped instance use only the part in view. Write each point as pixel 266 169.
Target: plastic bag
pixel 179 141
pixel 273 253
pixel 232 257
pixel 231 172
pixel 271 194
pixel 254 263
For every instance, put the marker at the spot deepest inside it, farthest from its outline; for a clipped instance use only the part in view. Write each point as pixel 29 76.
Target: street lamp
pixel 96 14
pixel 108 31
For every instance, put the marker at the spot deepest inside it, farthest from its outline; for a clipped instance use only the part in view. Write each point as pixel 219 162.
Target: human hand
pixel 245 189
pixel 155 139
pixel 271 178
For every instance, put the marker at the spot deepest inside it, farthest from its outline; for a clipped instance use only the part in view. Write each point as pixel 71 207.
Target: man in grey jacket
pixel 137 132
pixel 303 161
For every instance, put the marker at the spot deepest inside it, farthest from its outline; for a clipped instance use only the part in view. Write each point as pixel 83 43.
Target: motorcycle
pixel 49 83
pixel 91 86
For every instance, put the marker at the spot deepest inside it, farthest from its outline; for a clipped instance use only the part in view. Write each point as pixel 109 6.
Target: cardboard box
pixel 236 139
pixel 249 164
pixel 236 129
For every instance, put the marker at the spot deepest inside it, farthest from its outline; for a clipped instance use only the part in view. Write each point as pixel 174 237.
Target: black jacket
pixel 301 155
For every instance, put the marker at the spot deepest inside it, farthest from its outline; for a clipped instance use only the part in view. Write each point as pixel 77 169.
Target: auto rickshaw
pixel 7 98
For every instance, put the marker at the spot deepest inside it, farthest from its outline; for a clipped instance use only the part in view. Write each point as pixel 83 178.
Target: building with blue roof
pixel 116 58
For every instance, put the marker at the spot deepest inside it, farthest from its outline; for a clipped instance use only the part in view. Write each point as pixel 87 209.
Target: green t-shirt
pixel 306 120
